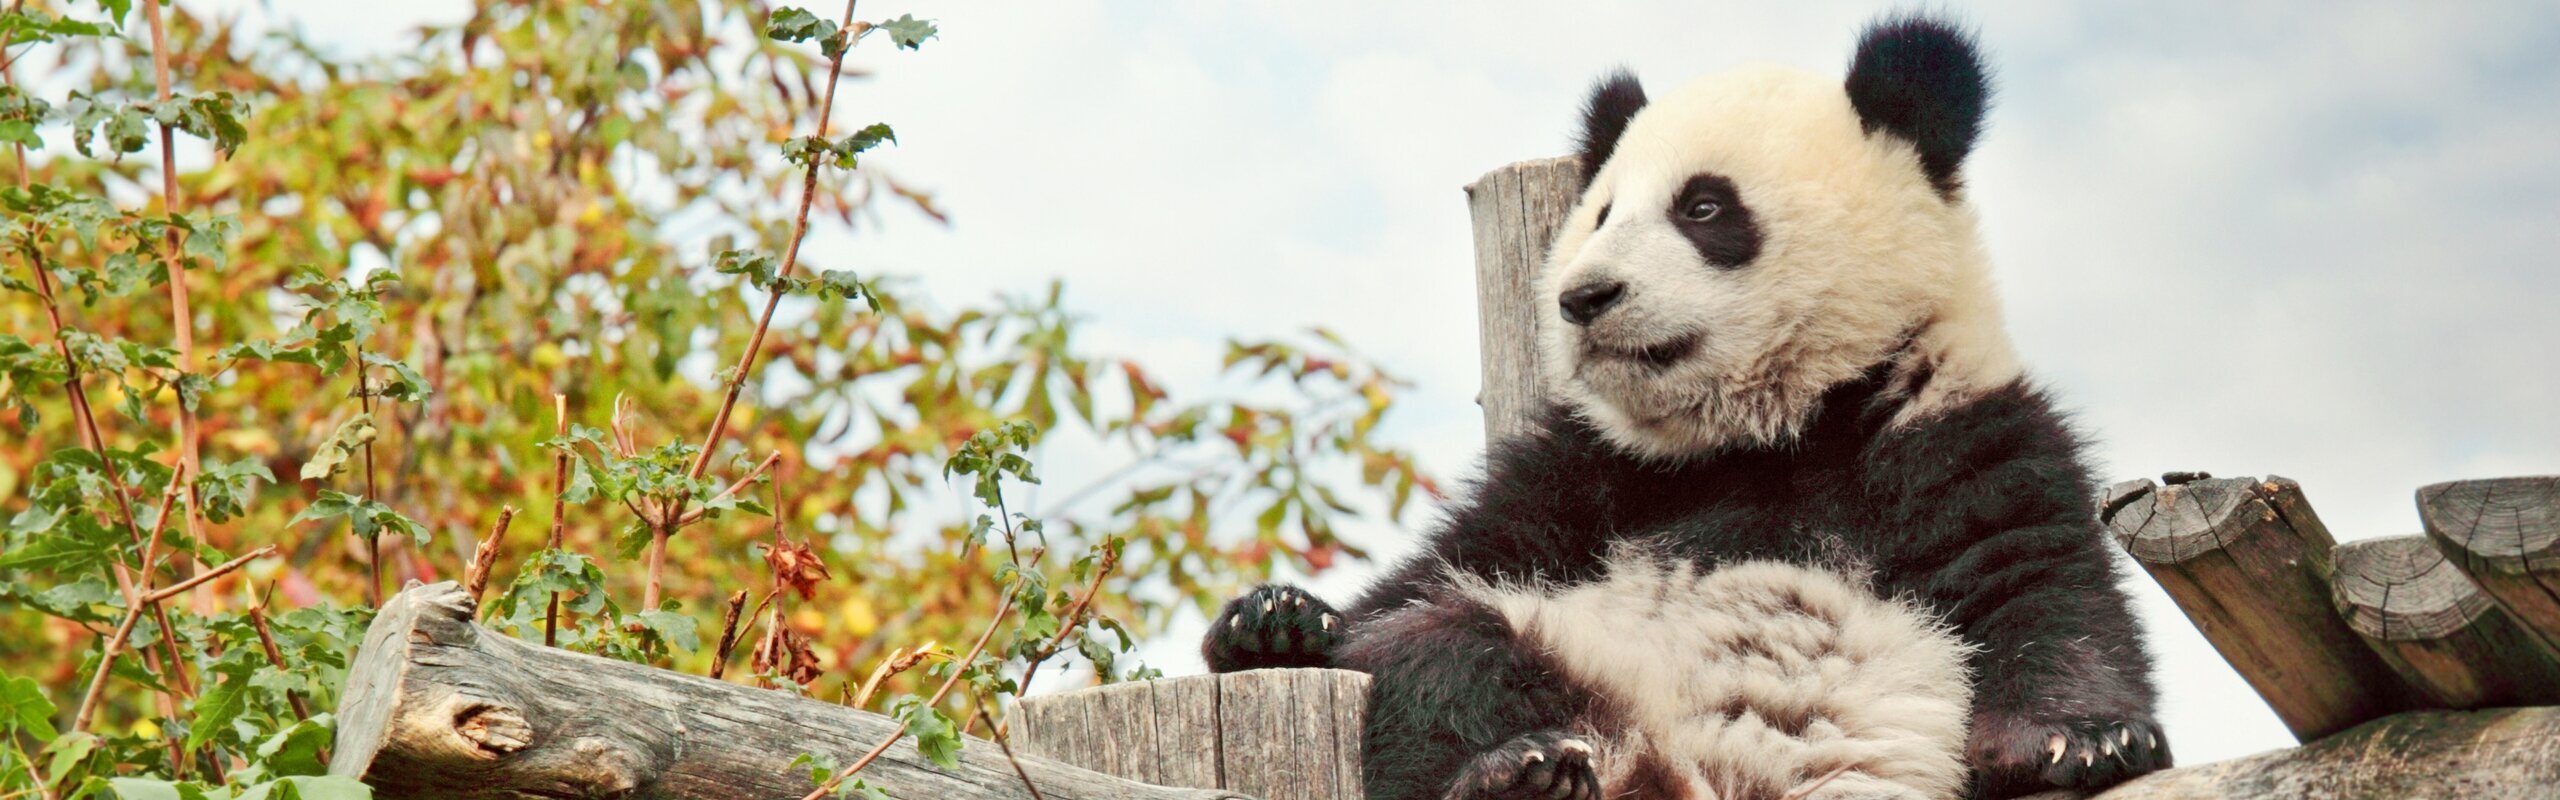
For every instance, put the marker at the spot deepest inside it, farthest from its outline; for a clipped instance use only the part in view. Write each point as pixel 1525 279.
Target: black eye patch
pixel 1709 210
pixel 1604 217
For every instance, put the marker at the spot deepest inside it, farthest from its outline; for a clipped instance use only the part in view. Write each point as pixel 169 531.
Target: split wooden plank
pixel 1516 210
pixel 2505 533
pixel 2247 561
pixel 1289 734
pixel 436 706
pixel 2437 629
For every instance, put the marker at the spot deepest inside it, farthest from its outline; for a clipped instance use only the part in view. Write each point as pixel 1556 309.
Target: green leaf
pixel 23 707
pixel 790 24
pixel 341 446
pixel 672 627
pixel 908 32
pixel 217 707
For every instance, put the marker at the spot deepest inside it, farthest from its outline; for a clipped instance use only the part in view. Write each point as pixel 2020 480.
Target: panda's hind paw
pixel 1274 626
pixel 1548 765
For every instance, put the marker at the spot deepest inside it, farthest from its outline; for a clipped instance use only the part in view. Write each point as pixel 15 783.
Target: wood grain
pixel 1284 734
pixel 2505 533
pixel 1516 210
pixel 2437 629
pixel 2501 753
pixel 436 706
pixel 2247 560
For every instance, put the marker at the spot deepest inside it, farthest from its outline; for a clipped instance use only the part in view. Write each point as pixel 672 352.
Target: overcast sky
pixel 2235 238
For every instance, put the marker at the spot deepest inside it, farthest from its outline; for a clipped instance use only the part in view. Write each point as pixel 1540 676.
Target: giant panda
pixel 1794 524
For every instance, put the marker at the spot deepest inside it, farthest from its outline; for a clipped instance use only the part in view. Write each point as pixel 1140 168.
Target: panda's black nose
pixel 1587 302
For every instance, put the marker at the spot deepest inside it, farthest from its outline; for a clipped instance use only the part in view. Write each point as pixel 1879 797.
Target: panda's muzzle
pixel 1585 303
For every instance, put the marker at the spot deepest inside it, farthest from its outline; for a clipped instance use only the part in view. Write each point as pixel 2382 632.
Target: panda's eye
pixel 1604 217
pixel 1701 210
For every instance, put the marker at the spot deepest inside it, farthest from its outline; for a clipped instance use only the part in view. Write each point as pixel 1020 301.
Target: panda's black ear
pixel 1614 100
pixel 1923 80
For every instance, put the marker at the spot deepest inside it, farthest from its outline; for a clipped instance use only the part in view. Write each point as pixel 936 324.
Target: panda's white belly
pixel 1754 680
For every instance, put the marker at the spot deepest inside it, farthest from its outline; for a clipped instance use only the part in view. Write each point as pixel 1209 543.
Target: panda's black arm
pixel 1538 513
pixel 2003 538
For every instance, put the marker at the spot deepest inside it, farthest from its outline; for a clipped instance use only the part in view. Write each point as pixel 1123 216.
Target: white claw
pixel 1533 757
pixel 1328 621
pixel 2056 747
pixel 2124 736
pixel 2109 748
pixel 2088 758
pixel 1235 623
pixel 1575 746
pixel 1299 601
pixel 1266 606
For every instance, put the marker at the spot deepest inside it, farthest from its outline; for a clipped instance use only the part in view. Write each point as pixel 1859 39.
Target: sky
pixel 2232 237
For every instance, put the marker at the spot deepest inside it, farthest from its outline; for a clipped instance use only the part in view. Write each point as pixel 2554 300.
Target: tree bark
pixel 2437 629
pixel 2505 752
pixel 1516 209
pixel 1281 734
pixel 2248 563
pixel 2505 533
pixel 437 706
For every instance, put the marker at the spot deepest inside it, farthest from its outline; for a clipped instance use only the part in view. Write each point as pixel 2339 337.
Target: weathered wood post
pixel 2437 629
pixel 1279 734
pixel 2505 533
pixel 437 706
pixel 2248 563
pixel 1516 210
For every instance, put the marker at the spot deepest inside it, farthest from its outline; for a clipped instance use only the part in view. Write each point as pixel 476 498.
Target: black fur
pixel 1272 627
pixel 1923 80
pixel 1983 513
pixel 1614 100
pixel 1728 240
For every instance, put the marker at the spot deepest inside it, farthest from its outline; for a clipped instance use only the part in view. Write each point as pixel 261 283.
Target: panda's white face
pixel 1748 245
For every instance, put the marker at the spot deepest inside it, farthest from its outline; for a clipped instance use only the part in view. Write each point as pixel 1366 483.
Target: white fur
pixel 1858 250
pixel 1876 686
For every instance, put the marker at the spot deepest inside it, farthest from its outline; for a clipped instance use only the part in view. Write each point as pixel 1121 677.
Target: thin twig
pixel 695 515
pixel 1073 620
pixel 114 644
pixel 372 539
pixel 737 378
pixel 728 634
pixel 958 669
pixel 1004 741
pixel 476 578
pixel 559 508
pixel 181 320
pixel 275 655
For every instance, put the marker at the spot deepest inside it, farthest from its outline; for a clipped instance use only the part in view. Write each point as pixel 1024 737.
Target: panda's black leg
pixel 1456 700
pixel 1274 626
pixel 1546 765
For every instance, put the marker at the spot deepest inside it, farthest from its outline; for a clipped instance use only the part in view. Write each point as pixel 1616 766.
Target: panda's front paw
pixel 2014 754
pixel 1548 765
pixel 1272 627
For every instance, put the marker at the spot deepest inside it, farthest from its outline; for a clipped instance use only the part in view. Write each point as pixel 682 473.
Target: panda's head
pixel 1763 235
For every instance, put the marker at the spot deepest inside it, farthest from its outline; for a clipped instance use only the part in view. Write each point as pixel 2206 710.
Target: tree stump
pixel 1279 734
pixel 2506 534
pixel 2437 629
pixel 437 706
pixel 2248 563
pixel 1516 210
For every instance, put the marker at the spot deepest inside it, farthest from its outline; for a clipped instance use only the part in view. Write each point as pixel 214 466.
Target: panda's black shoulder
pixel 1997 439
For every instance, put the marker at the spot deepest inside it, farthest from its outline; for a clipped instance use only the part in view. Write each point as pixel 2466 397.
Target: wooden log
pixel 2247 561
pixel 2505 533
pixel 2437 629
pixel 1281 734
pixel 1516 210
pixel 2507 752
pixel 437 706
